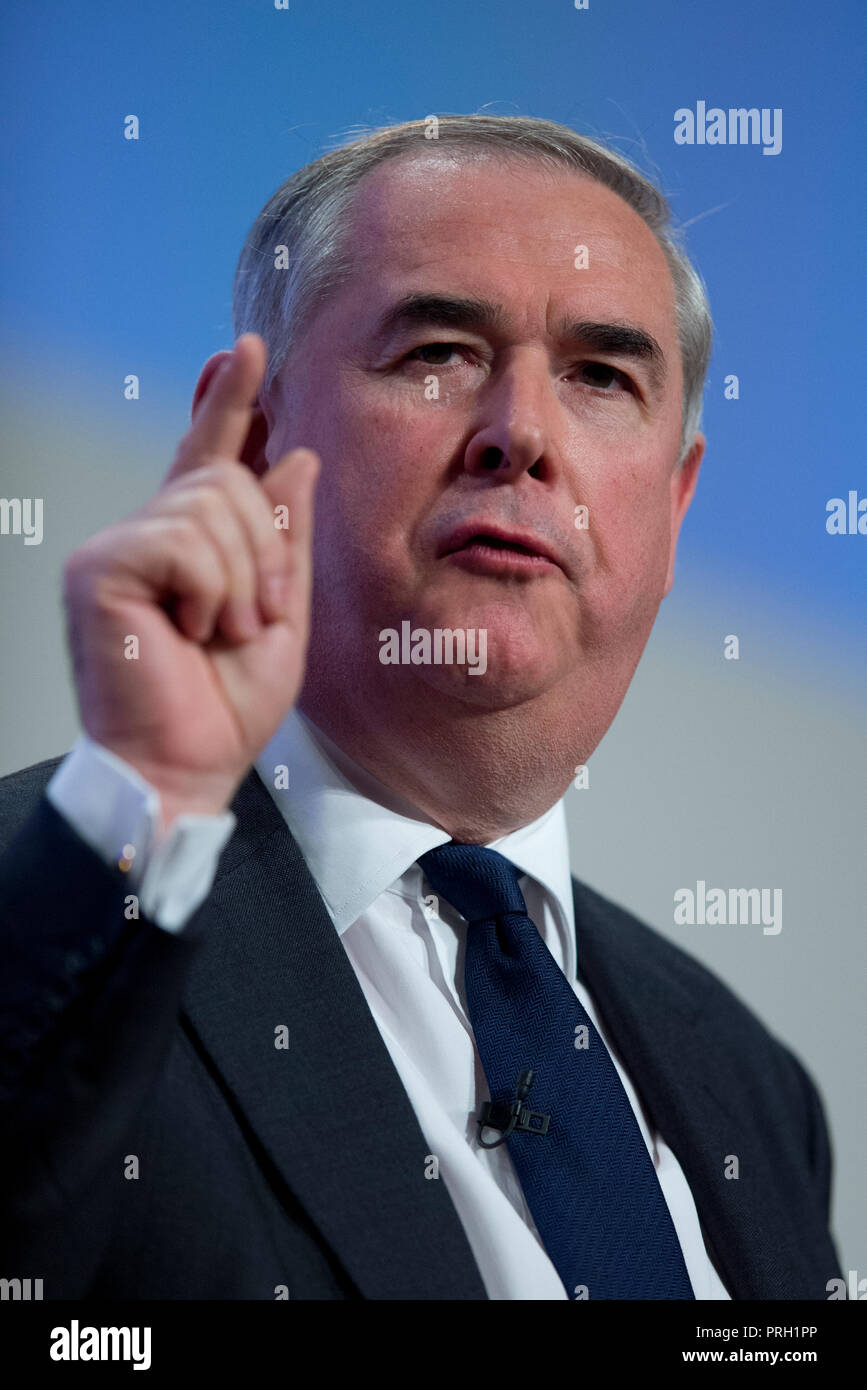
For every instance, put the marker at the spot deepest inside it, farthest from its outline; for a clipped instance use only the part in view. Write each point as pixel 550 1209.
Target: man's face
pixel 439 422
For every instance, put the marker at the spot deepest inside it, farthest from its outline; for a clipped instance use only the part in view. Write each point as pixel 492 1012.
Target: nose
pixel 513 429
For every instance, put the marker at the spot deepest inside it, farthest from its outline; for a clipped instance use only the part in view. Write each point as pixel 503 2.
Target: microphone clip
pixel 512 1117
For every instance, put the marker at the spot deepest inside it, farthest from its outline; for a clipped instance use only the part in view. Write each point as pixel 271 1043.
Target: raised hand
pixel 188 622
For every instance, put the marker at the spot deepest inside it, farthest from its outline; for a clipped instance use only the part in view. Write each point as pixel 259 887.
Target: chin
pixel 489 649
pixel 494 691
pixel 506 667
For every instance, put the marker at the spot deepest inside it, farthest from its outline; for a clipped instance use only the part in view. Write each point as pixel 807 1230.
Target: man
pixel 388 1048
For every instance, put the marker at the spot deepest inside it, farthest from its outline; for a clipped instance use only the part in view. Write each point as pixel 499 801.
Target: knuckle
pixel 94 554
pixel 205 574
pixel 221 472
pixel 187 539
pixel 182 528
pixel 208 501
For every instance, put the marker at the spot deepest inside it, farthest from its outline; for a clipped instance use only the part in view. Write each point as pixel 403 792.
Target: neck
pixel 479 774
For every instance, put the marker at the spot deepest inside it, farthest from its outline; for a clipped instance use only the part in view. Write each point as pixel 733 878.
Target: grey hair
pixel 310 212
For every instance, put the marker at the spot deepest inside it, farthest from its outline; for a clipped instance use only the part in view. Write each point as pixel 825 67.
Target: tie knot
pixel 479 882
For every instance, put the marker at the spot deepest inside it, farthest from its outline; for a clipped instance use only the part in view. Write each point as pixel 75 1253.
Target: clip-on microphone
pixel 512 1116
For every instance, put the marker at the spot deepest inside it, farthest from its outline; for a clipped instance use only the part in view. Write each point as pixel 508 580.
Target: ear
pixel 253 452
pixel 683 484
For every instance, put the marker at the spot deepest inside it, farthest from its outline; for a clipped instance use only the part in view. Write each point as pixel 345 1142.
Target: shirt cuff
pixel 115 811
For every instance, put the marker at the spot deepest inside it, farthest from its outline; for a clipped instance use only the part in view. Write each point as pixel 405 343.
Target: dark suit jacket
pixel 303 1167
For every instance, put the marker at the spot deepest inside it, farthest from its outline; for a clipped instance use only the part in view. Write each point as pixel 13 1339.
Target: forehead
pixel 509 231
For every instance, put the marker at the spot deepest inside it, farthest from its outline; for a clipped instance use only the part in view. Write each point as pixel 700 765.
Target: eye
pixel 435 354
pixel 601 376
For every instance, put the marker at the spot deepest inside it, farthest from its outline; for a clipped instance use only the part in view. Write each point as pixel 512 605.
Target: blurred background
pixel 118 256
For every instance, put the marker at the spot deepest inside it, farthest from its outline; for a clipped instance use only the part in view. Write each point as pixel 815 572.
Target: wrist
pixel 201 802
pixel 180 791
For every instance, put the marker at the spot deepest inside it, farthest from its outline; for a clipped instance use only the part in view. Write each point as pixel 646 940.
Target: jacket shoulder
pixel 616 944
pixel 633 945
pixel 20 794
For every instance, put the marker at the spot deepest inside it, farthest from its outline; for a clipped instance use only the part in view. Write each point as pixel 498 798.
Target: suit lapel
pixel 763 1249
pixel 329 1108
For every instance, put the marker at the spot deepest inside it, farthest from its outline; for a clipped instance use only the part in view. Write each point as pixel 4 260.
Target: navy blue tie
pixel 588 1179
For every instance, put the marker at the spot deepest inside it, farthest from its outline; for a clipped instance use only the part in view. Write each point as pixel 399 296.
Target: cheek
pixel 629 518
pixel 383 470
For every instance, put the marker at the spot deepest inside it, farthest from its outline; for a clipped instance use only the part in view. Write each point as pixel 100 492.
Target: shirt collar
pixel 358 837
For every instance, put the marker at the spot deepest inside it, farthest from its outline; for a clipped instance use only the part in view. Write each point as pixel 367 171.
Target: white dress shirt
pixel 360 842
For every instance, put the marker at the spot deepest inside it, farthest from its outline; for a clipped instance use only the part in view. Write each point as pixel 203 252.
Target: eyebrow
pixel 615 338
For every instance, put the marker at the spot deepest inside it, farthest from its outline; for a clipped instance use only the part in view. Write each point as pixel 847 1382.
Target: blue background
pixel 123 252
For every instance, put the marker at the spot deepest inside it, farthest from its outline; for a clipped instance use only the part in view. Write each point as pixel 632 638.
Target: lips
pixel 487 540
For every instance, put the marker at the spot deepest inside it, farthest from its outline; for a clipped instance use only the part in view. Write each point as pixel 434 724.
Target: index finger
pixel 222 421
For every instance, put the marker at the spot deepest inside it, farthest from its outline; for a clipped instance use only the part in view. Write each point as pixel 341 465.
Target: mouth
pixel 491 550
